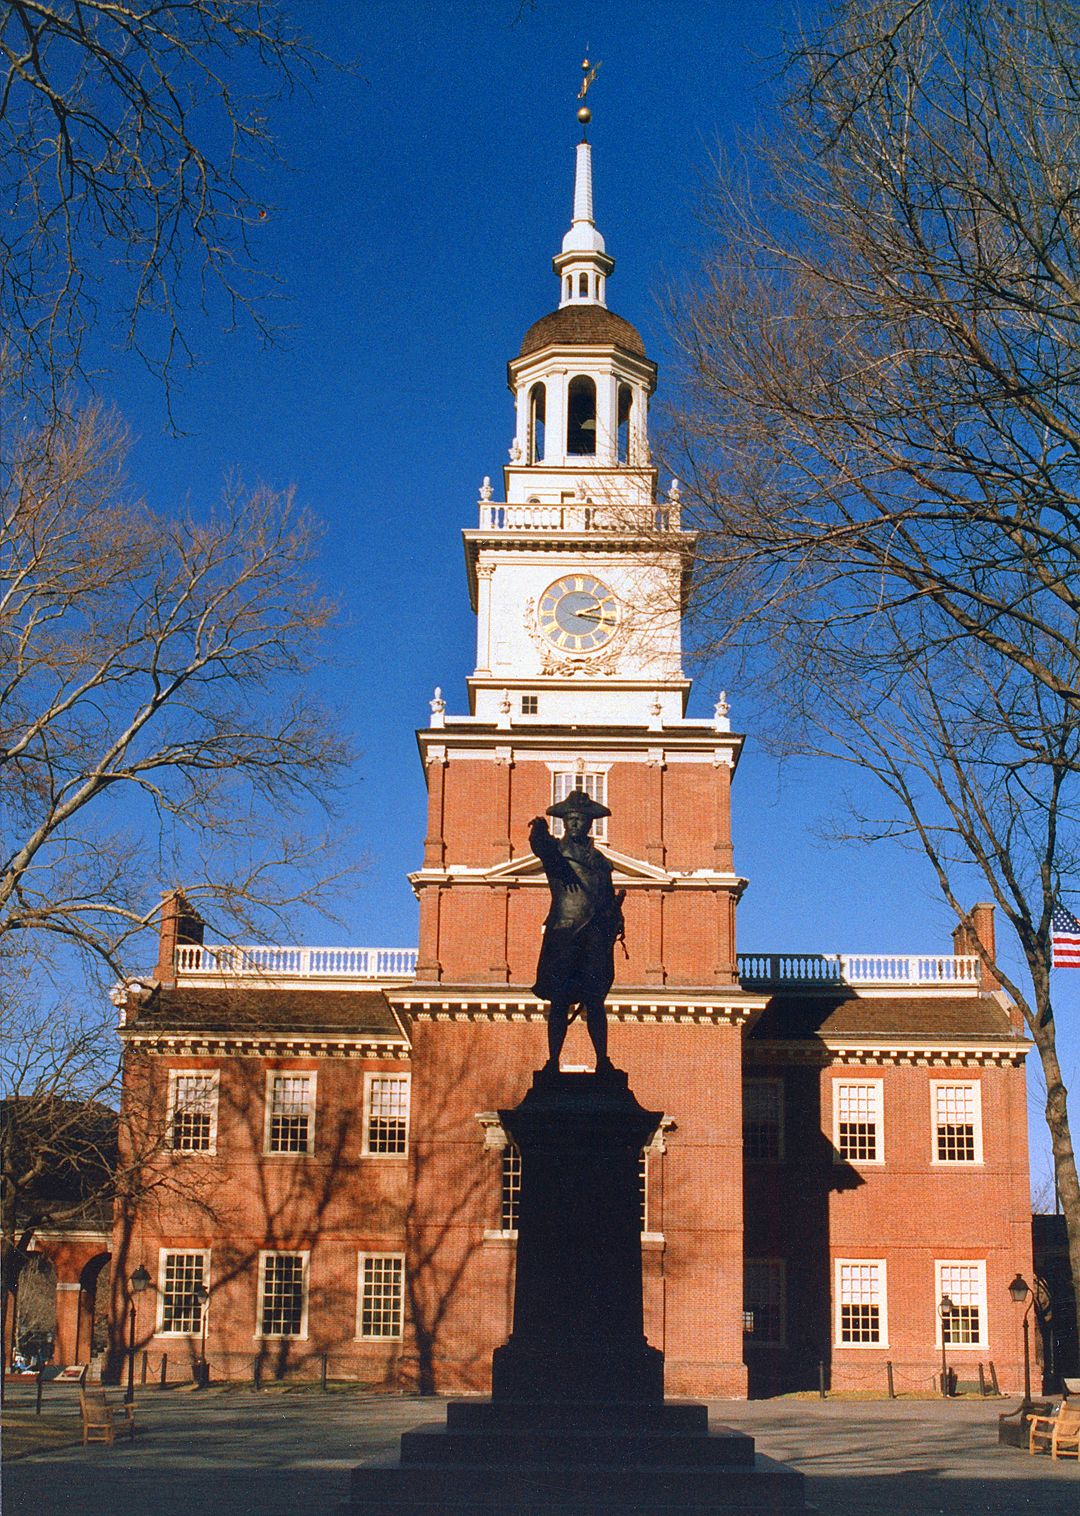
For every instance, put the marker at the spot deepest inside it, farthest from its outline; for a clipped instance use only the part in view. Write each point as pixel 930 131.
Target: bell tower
pixel 578 576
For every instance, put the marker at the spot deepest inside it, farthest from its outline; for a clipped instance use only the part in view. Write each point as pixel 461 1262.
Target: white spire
pixel 583 265
pixel 583 236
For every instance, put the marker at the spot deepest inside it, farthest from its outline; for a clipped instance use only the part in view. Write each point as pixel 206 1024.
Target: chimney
pixel 978 931
pixel 179 924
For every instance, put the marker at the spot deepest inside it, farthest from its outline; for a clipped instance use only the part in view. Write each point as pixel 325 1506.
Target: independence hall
pixel 840 1179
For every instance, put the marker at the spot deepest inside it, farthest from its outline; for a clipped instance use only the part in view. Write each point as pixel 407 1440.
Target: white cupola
pixel 581 380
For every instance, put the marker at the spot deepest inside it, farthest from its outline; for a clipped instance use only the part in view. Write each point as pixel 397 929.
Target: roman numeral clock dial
pixel 578 613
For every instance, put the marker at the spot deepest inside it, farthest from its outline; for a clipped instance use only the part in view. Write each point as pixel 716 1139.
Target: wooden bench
pixel 102 1417
pixel 1058 1434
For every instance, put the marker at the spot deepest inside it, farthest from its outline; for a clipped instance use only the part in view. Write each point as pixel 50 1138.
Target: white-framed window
pixel 857 1120
pixel 386 1115
pixel 861 1303
pixel 509 1187
pixel 764 1300
pixel 956 1114
pixel 563 781
pixel 193 1109
pixel 763 1120
pixel 283 1295
pixel 380 1296
pixel 181 1271
pixel 964 1281
pixel 290 1112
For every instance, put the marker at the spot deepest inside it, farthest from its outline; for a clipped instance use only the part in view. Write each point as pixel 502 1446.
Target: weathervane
pixel 589 73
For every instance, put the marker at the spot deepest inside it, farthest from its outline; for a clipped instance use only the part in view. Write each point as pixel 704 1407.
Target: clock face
pixel 578 613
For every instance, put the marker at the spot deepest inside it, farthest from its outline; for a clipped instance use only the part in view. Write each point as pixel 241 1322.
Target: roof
pixel 582 325
pixel 801 1017
pixel 269 1010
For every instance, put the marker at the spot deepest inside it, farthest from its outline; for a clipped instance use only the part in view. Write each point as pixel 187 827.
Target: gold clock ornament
pixel 578 614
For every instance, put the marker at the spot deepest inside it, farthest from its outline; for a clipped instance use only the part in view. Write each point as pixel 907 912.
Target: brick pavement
pixel 270 1454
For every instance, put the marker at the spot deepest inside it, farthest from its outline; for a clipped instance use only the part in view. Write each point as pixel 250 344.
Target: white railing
pixel 858 968
pixel 260 962
pixel 582 516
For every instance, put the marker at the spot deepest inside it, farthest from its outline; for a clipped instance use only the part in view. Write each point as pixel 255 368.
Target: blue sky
pixel 412 229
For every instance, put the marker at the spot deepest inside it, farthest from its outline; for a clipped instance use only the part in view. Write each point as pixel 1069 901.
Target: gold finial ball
pixel 584 115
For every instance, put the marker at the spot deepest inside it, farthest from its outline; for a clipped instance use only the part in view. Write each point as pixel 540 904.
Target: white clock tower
pixel 577 574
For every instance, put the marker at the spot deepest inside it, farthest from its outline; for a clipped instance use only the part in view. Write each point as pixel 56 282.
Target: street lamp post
pixel 945 1310
pixel 201 1294
pixel 1020 1290
pixel 138 1282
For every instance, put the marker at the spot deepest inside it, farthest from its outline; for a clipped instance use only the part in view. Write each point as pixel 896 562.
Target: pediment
pixel 625 870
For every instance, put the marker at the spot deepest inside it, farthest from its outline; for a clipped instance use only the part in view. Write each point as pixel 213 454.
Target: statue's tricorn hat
pixel 580 804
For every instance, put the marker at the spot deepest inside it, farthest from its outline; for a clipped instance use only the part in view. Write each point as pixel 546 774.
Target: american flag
pixel 1065 938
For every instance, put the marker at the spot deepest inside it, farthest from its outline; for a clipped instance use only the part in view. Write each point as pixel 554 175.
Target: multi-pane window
pixel 283 1295
pixel 510 1188
pixel 857 1113
pixel 957 1125
pixel 643 1189
pixel 290 1128
pixel 193 1112
pixel 382 1295
pixel 763 1120
pixel 964 1326
pixel 181 1274
pixel 594 785
pixel 763 1299
pixel 386 1126
pixel 530 705
pixel 860 1302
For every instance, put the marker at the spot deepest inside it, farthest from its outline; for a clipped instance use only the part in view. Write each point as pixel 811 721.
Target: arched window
pixel 537 410
pixel 569 287
pixel 581 416
pixel 626 405
pixel 583 284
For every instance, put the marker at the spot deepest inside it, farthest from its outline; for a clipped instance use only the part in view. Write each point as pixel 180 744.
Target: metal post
pixel 1027 1361
pixel 129 1396
pixel 982 1381
pixel 821 1378
pixel 164 1368
pixel 145 1367
pixel 37 1395
pixel 322 1370
pixel 889 1377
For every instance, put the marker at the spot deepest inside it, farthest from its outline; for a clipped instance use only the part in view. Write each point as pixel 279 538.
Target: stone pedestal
pixel 578 1332
pixel 577 1424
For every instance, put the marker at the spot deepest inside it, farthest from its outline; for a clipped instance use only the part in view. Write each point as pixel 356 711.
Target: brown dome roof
pixel 583 324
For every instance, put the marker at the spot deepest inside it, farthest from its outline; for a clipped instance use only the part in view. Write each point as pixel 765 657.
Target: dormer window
pixel 583 285
pixel 537 412
pixel 581 417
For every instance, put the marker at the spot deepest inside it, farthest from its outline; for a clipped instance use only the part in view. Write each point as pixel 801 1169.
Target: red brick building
pixel 844 1140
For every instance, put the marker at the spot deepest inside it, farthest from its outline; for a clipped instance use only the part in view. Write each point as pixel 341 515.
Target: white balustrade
pixel 858 968
pixel 580 516
pixel 272 962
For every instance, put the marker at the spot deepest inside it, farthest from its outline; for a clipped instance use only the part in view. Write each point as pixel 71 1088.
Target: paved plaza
pixel 244 1453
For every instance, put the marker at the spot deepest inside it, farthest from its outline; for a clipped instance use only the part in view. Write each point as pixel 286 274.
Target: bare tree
pixel 154 713
pixel 880 425
pixel 130 136
pixel 882 356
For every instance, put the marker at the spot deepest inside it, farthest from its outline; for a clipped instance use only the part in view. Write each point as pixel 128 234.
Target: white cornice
pixel 728 1006
pixel 222 1043
pixel 945 1052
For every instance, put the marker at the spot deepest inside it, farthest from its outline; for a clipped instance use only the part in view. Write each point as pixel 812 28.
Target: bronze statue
pixel 577 959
